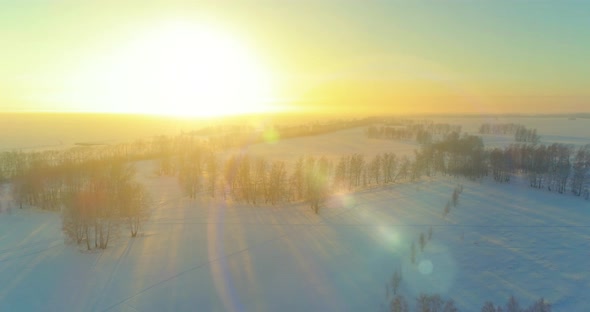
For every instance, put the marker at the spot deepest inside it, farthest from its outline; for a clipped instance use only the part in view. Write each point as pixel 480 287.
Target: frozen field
pixel 215 256
pixel 210 255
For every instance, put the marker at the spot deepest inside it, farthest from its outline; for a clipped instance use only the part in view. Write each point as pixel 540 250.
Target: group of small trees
pixel 455 155
pixel 422 132
pixel 92 186
pixel 556 166
pixel 525 135
pixel 581 172
pixel 499 128
pixel 552 167
pixel 224 137
pixel 512 305
pixel 101 201
pixel 256 180
pixel 435 303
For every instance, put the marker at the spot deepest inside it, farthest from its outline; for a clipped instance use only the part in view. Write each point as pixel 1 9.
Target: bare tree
pixel 539 306
pixel 212 171
pixel 488 307
pixel 134 204
pixel 422 241
pixel 512 305
pixel 398 304
pixel 396 280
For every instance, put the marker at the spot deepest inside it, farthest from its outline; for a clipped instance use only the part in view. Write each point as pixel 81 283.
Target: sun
pixel 181 69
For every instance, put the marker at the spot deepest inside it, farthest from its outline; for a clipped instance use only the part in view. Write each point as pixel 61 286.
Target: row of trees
pixel 557 167
pixel 525 135
pixel 243 135
pixel 423 132
pixel 552 166
pixel 92 186
pixel 256 180
pixel 435 303
pixel 18 164
pixel 520 132
pixel 455 155
pixel 499 128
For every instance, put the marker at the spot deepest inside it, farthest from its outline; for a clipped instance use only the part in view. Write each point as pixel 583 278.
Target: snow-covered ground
pixel 211 255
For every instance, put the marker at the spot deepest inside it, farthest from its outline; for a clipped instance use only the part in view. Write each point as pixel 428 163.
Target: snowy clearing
pixel 211 255
pixel 214 256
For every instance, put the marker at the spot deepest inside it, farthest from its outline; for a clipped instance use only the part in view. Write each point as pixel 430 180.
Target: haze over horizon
pixel 215 59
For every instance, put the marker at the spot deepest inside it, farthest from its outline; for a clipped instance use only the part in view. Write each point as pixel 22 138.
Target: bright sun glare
pixel 181 69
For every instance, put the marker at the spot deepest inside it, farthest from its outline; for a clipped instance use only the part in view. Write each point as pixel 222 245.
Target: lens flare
pixel 425 267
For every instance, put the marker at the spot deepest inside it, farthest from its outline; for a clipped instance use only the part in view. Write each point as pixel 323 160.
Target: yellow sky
pixel 211 57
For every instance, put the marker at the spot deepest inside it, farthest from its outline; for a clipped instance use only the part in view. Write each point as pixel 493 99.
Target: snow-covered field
pixel 210 255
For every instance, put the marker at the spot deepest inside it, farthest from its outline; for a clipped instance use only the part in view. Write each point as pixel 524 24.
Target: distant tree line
pixel 236 136
pixel 520 132
pixel 92 186
pixel 557 167
pixel 525 135
pixel 554 166
pixel 95 197
pixel 256 180
pixel 457 155
pixel 499 128
pixel 423 133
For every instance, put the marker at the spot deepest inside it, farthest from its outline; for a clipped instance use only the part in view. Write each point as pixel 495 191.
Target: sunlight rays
pixel 179 68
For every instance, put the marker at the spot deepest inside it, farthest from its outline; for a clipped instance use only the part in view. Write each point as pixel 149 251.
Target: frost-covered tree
pixel 212 168
pixel 539 306
pixel 277 182
pixel 429 303
pixel 581 171
pixel 455 197
pixel 134 202
pixel 447 209
pixel 450 306
pixel 190 172
pixel 422 241
pixel 512 305
pixel 398 304
pixel 488 307
pixel 396 280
